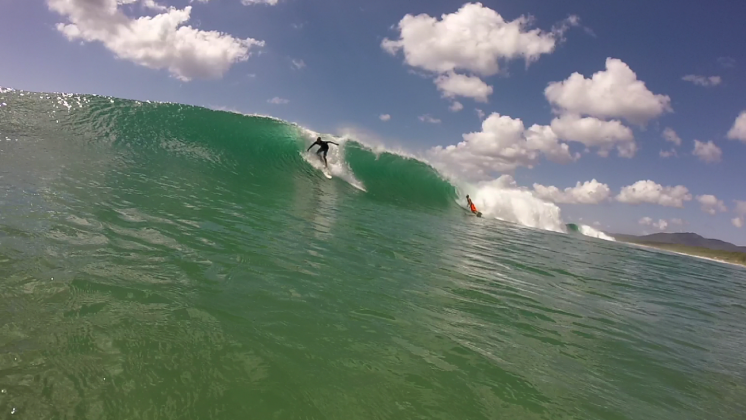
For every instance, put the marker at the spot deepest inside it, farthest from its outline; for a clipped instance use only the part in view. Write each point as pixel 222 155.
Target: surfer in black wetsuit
pixel 323 148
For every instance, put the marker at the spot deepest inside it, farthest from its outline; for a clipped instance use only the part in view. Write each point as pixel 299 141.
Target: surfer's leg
pixel 325 162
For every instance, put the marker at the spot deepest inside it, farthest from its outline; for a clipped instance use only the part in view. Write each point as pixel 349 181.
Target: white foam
pixel 593 233
pixel 338 167
pixel 502 199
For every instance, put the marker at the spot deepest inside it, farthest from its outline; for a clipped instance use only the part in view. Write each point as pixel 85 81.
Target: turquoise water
pixel 160 261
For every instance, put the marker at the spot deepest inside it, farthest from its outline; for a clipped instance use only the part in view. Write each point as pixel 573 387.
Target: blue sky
pixel 348 79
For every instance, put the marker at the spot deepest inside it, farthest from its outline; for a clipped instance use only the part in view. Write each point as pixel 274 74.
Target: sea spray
pixel 503 199
pixel 337 165
pixel 593 233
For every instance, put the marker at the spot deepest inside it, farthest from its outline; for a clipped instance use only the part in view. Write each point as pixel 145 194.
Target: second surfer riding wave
pixel 472 207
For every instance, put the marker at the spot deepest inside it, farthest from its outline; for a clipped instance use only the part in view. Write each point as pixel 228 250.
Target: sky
pixel 631 116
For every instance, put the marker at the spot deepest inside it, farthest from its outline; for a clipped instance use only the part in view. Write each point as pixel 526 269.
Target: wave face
pixel 269 155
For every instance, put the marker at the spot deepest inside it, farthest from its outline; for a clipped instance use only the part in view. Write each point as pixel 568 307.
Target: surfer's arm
pixel 309 147
pixel 333 143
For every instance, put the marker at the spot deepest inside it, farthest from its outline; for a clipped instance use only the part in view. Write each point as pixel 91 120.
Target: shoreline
pixel 685 254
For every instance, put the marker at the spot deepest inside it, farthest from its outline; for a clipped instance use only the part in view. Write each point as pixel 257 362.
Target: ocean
pixel 163 261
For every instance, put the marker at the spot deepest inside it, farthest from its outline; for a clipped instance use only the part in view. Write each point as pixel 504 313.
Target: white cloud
pixel 652 193
pixel 474 39
pixel 727 62
pixel 593 132
pixel 613 93
pixel 668 153
pixel 670 135
pixel 268 2
pixel 543 139
pixel 298 64
pixel 453 85
pixel 456 106
pixel 278 101
pixel 707 152
pixel 480 113
pixel 661 224
pixel 503 145
pixel 738 131
pixel 711 204
pixel 740 208
pixel 677 222
pixel 589 192
pixel 428 119
pixel 384 117
pixel 162 41
pixel 702 80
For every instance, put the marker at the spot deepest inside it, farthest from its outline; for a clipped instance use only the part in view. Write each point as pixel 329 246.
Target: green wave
pixel 259 151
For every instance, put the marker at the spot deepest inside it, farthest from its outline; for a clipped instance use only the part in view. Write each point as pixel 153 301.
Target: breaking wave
pixel 268 151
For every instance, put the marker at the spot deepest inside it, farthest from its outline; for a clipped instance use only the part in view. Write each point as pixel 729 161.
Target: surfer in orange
pixel 472 207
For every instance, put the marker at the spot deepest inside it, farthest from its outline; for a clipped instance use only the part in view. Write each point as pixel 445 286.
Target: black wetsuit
pixel 323 147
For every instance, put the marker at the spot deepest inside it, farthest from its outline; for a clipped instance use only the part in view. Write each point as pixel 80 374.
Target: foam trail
pixel 589 231
pixel 338 167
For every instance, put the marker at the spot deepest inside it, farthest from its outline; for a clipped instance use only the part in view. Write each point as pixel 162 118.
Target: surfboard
pixel 326 173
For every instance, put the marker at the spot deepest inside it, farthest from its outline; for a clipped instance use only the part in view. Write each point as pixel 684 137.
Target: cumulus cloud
pixel 740 210
pixel 384 117
pixel 589 192
pixel 668 153
pixel 453 85
pixel 475 40
pixel 544 139
pixel 650 192
pixel 670 135
pixel 163 41
pixel 707 152
pixel 702 80
pixel 711 204
pixel 428 119
pixel 594 132
pixel 456 107
pixel 503 145
pixel 738 131
pixel 278 101
pixel 298 64
pixel 613 93
pixel 660 225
